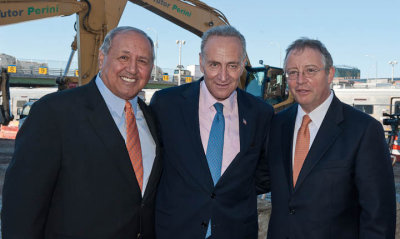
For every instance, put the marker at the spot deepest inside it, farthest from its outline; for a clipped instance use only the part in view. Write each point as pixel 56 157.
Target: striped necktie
pixel 302 146
pixel 133 143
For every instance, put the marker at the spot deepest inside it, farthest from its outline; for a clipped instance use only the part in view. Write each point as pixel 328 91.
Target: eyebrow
pixel 228 63
pixel 303 67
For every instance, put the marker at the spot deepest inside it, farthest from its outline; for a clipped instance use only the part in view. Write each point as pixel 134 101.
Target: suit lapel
pixel 326 136
pixel 246 122
pixel 156 168
pixel 190 111
pixel 287 143
pixel 104 126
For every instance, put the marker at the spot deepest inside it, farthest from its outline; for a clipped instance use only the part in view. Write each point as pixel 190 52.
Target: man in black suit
pixel 199 196
pixel 331 175
pixel 72 175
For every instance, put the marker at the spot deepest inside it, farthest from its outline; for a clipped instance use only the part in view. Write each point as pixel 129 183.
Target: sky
pixel 362 34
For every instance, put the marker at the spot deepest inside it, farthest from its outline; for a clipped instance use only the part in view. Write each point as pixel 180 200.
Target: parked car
pixel 24 112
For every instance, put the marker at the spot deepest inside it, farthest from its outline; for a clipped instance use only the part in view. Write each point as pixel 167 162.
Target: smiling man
pixel 86 162
pixel 331 174
pixel 213 137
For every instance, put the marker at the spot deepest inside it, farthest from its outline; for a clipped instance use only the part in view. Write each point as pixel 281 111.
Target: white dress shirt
pixel 316 116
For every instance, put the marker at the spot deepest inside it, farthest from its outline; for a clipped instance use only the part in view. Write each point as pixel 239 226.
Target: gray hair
pixel 105 47
pixel 224 31
pixel 302 43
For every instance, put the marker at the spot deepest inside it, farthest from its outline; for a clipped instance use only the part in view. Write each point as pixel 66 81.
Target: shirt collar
pixel 208 100
pixel 318 114
pixel 113 102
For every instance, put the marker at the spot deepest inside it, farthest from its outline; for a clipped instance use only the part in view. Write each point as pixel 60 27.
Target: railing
pixel 43 71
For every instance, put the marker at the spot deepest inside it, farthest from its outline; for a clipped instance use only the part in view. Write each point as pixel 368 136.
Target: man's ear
pixel 101 59
pixel 331 74
pixel 201 63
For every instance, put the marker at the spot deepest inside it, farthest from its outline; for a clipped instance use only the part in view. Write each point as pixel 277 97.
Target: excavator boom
pixel 192 15
pixel 16 11
pixel 95 18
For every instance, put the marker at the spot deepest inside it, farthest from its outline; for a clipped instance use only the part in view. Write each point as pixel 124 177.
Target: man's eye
pixel 123 58
pixel 233 66
pixel 143 61
pixel 311 70
pixel 293 73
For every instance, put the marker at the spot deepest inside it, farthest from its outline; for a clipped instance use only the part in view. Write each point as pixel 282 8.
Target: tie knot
pixel 219 107
pixel 128 106
pixel 306 120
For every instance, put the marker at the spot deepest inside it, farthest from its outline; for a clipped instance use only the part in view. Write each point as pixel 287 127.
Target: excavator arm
pixel 16 11
pixel 192 15
pixel 5 111
pixel 95 18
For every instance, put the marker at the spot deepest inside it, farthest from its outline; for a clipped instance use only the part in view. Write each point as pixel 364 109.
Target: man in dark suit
pixel 331 175
pixel 72 175
pixel 204 194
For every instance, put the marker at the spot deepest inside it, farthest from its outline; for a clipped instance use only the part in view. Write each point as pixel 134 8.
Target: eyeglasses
pixel 308 72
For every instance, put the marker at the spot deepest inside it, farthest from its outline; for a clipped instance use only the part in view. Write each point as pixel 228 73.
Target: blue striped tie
pixel 215 148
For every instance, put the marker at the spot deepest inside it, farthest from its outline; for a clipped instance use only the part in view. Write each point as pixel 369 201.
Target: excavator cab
pixel 269 84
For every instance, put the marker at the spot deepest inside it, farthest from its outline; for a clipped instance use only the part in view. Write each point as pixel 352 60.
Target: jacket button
pixel 204 224
pixel 213 195
pixel 292 211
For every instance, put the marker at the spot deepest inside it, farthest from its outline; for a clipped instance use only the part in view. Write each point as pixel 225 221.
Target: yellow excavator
pixel 95 18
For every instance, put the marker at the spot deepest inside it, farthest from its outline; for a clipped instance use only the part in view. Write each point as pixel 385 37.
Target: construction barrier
pixel 10 131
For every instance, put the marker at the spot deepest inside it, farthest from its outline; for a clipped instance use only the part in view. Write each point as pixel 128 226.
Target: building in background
pixel 345 75
pixel 195 71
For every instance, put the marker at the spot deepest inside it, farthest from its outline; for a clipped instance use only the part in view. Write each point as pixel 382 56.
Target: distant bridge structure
pixel 37 76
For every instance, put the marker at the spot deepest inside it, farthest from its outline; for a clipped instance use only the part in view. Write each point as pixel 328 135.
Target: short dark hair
pixel 224 31
pixel 105 47
pixel 304 42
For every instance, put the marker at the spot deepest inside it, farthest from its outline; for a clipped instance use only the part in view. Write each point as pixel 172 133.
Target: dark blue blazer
pixel 186 197
pixel 71 176
pixel 345 189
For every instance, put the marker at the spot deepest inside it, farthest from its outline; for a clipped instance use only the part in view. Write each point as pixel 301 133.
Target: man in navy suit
pixel 194 200
pixel 71 175
pixel 331 174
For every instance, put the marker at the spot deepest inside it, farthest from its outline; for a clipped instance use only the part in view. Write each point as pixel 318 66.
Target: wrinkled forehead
pixel 306 54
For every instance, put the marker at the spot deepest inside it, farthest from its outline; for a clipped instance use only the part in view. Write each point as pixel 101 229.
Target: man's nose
pixel 223 74
pixel 301 78
pixel 132 67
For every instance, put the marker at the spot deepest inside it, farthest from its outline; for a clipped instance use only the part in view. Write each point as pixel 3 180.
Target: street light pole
pixel 393 63
pixel 180 43
pixel 155 55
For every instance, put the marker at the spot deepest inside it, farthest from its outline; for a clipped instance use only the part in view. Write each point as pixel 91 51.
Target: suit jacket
pixel 71 176
pixel 345 188
pixel 186 197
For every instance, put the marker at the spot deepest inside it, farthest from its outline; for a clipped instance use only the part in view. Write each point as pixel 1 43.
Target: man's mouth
pixel 131 80
pixel 222 85
pixel 302 90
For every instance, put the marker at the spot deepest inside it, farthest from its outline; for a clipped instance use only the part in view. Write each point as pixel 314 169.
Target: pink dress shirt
pixel 231 115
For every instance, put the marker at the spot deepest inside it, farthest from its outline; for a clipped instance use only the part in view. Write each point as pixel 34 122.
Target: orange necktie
pixel 302 146
pixel 133 143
